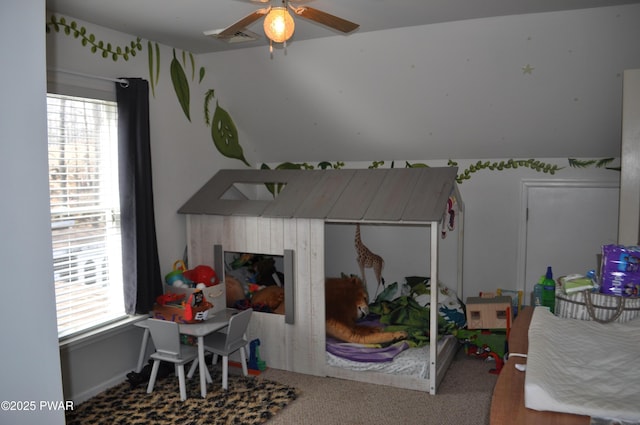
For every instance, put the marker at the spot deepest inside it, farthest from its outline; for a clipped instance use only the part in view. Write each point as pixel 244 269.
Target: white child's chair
pixel 166 338
pixel 227 342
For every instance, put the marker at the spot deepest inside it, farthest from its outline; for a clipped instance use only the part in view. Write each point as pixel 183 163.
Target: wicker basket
pixel 602 308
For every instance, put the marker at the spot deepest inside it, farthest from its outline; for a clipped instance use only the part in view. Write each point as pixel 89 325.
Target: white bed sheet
pixel 412 361
pixel 583 367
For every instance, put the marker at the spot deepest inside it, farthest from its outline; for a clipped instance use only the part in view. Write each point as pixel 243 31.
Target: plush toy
pixel 271 297
pixel 346 302
pixel 234 290
pixel 266 272
pixel 202 274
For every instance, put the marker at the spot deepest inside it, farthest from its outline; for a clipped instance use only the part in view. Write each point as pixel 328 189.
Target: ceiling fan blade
pixel 231 30
pixel 325 18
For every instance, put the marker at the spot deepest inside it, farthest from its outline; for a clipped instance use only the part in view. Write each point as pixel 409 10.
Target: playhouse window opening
pixel 253 191
pixel 252 273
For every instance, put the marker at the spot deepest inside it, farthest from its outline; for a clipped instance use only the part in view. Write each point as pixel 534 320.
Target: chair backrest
pixel 237 327
pixel 166 336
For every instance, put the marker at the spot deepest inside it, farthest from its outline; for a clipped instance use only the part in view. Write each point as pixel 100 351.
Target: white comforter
pixel 583 367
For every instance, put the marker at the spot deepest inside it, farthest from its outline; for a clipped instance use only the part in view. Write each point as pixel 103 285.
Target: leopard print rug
pixel 249 400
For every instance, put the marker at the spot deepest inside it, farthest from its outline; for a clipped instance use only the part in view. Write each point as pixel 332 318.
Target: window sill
pixel 99 333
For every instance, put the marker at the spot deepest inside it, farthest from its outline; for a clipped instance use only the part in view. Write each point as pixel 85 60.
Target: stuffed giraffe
pixel 367 259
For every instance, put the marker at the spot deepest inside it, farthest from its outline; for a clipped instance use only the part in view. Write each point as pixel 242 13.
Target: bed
pixel 404 364
pixel 223 216
pixel 555 347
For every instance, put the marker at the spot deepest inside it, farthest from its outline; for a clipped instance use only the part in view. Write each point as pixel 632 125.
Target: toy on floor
pixel 483 353
pixel 254 356
pixel 142 377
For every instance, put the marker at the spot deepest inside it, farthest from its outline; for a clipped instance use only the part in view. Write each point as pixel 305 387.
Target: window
pixel 85 212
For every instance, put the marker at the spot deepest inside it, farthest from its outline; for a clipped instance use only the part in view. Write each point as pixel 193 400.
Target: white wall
pixel 30 362
pixel 408 246
pixel 404 248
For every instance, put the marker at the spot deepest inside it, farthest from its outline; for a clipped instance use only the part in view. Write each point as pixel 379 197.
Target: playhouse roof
pixel 367 195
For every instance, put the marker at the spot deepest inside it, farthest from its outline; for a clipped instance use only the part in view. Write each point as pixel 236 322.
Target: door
pixel 629 230
pixel 566 223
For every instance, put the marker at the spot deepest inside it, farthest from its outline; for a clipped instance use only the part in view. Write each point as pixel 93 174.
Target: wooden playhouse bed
pixel 293 222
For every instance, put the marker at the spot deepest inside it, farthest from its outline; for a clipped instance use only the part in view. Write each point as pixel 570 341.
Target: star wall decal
pixel 527 69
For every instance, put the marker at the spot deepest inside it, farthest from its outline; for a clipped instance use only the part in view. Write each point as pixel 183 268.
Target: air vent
pixel 239 37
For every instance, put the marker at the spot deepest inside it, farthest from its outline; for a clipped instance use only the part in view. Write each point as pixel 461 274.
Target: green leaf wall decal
pixel 225 135
pixel 180 85
pixel 154 66
pixel 207 99
pixel 193 66
pixel 151 79
pixel 157 63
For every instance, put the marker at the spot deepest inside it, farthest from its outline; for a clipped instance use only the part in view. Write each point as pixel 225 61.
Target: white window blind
pixel 85 212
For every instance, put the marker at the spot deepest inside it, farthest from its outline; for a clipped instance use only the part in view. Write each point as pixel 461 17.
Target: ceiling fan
pixel 279 24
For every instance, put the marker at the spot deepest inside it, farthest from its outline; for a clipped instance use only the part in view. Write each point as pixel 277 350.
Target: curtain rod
pixel 95 77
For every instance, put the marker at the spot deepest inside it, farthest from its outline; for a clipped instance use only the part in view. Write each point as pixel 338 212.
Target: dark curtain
pixel 140 264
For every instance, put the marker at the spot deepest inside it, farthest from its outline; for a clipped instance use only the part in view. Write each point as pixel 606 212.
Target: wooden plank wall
pixel 298 347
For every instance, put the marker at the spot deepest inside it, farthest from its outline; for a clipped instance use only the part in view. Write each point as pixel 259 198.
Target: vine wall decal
pixel 534 164
pixel 106 49
pixel 510 164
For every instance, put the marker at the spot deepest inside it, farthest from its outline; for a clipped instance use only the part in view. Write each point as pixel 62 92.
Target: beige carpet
pixel 464 397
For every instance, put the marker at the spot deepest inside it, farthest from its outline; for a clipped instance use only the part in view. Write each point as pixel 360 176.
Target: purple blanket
pixel 364 353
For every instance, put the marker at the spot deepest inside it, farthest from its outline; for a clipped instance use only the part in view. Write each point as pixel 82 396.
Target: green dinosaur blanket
pixel 406 313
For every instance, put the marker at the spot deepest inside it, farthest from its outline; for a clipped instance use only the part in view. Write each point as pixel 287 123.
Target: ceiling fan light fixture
pixel 278 25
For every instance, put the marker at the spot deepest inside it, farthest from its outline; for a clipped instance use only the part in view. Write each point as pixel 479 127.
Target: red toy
pixel 484 352
pixel 202 274
pixel 169 298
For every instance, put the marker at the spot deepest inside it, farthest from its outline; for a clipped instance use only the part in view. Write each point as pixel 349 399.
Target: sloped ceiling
pixel 545 85
pixel 181 23
pixel 419 80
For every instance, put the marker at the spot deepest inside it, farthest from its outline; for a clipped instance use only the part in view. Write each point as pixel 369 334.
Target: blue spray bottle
pixel 548 290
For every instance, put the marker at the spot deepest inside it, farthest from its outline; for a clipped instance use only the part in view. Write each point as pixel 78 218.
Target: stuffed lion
pixel 346 301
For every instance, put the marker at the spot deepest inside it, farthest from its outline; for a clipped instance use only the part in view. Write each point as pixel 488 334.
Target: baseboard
pixel 94 391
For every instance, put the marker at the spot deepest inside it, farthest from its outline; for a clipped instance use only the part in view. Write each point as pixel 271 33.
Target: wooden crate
pixel 489 313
